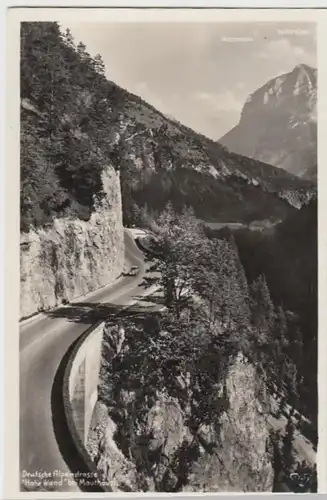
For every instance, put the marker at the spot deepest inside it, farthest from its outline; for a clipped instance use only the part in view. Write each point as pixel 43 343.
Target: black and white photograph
pixel 168 315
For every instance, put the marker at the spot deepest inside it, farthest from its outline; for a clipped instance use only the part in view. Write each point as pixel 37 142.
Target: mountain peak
pixel 302 66
pixel 278 121
pixel 305 72
pixel 305 67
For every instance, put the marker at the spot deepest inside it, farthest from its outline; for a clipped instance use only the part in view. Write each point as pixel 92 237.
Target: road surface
pixel 45 343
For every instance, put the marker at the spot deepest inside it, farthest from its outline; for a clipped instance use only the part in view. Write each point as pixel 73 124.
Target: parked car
pixel 131 272
pixel 134 270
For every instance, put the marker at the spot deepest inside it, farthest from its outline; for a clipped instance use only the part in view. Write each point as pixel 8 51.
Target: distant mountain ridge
pixel 278 123
pixel 310 173
pixel 161 160
pixel 73 131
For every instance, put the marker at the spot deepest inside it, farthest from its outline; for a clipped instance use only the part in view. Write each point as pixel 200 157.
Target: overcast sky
pixel 200 74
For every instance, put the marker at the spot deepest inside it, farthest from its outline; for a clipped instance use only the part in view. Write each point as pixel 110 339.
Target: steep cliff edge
pixel 72 238
pixel 71 257
pixel 232 453
pixel 242 461
pixel 185 393
pixel 278 123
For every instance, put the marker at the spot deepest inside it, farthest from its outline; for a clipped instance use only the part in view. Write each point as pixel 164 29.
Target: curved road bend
pixel 44 344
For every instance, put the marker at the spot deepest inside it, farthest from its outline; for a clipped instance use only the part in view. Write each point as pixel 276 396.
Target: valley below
pixel 256 225
pixel 194 261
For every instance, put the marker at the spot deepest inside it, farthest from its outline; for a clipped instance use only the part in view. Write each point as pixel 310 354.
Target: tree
pixel 65 122
pixel 37 202
pixel 220 285
pixel 68 39
pixel 297 346
pixel 99 65
pixel 179 243
pixel 81 49
pixel 287 446
pixel 277 462
pixel 262 309
pixel 281 329
pixel 291 383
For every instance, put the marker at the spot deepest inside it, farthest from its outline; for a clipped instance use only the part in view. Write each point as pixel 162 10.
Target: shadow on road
pixel 85 312
pixel 155 298
pixel 148 281
pixel 92 312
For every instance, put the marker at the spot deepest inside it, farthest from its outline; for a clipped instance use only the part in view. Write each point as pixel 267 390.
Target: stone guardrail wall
pixel 80 395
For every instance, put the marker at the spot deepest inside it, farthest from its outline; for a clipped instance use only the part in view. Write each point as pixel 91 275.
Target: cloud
pixel 223 101
pixel 281 49
pixel 299 52
pixel 188 71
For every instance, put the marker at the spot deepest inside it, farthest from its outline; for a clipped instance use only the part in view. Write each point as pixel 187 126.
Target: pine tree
pixel 291 383
pixel 277 462
pixel 280 327
pixel 99 65
pixel 68 39
pixel 65 141
pixel 262 310
pixel 297 346
pixel 287 446
pixel 81 49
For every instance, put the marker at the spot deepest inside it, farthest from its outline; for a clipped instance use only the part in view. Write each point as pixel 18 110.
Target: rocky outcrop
pixel 278 122
pixel 166 425
pixel 299 199
pixel 240 460
pixel 231 454
pixel 71 257
pixel 114 468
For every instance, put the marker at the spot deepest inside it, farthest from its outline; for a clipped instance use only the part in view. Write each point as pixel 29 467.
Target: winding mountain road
pixel 45 343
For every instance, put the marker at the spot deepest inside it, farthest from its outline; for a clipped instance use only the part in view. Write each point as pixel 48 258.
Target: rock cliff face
pixel 231 454
pixel 242 459
pixel 71 257
pixel 278 123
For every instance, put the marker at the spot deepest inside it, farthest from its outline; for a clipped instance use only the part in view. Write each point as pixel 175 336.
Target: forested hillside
pixel 66 133
pixel 72 239
pixel 189 380
pixel 240 319
pixel 74 121
pixel 287 257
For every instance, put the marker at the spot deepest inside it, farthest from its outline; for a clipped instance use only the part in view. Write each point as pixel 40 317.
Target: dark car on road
pixel 132 272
